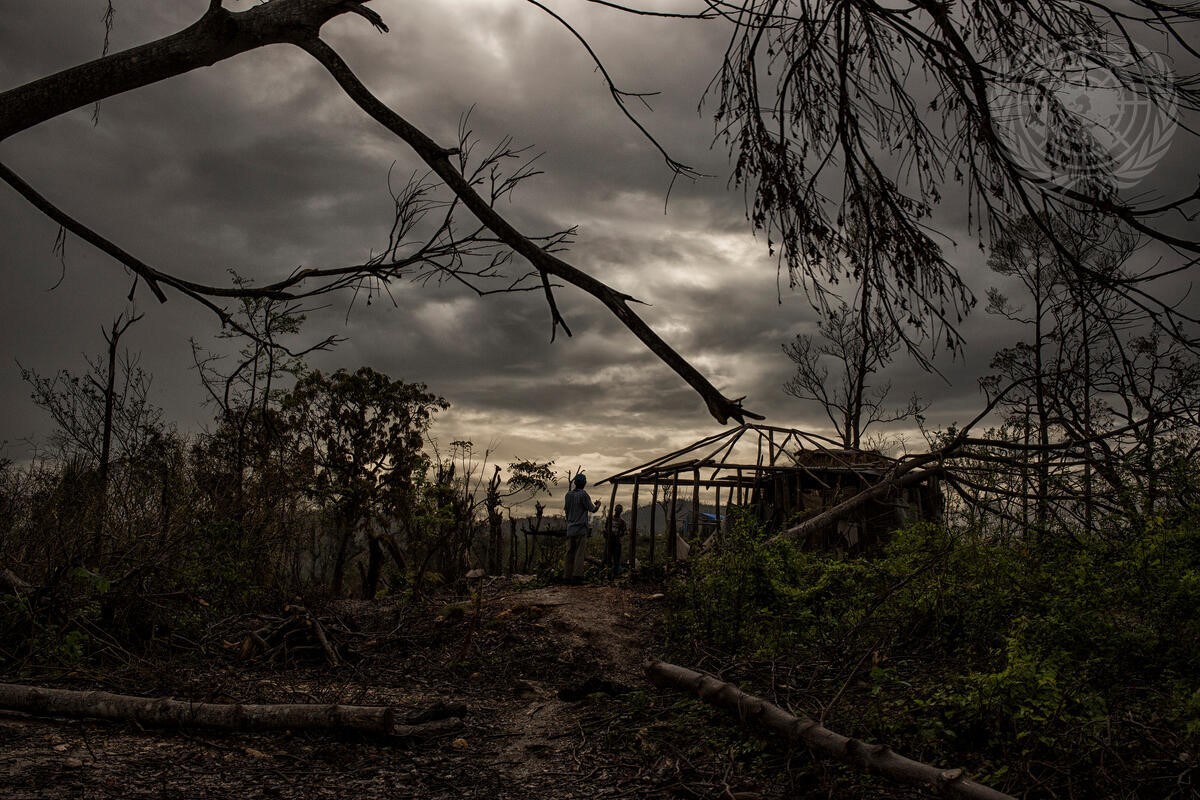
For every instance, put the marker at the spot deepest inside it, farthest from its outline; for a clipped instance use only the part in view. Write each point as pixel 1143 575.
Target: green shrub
pixel 741 594
pixel 1027 660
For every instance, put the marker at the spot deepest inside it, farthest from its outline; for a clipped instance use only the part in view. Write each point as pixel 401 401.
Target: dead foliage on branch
pixel 297 636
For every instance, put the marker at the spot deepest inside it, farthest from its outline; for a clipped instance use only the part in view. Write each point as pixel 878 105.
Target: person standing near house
pixel 614 533
pixel 578 506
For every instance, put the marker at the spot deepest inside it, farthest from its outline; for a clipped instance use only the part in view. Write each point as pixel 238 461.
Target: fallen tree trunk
pixel 167 713
pixel 875 758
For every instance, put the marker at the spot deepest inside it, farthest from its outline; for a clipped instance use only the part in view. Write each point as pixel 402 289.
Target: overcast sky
pixel 260 164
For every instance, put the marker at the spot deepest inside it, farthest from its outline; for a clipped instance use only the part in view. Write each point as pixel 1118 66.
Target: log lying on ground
pixel 167 713
pixel 870 757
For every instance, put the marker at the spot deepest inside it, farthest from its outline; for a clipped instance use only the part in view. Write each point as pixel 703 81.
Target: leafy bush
pixel 1042 661
pixel 741 594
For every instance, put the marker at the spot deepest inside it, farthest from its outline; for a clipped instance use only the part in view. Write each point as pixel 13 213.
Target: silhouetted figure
pixel 578 506
pixel 614 534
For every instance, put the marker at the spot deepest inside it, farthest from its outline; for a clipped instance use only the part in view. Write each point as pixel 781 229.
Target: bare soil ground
pixel 550 675
pixel 530 664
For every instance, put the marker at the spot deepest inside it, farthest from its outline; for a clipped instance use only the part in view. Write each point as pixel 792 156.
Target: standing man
pixel 614 534
pixel 577 505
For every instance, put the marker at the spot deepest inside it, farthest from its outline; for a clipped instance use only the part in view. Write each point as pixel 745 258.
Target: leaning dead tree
pixel 876 758
pixel 809 98
pixel 162 712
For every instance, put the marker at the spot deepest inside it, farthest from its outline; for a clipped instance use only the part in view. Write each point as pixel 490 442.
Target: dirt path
pixel 605 625
pixel 537 668
pixel 610 622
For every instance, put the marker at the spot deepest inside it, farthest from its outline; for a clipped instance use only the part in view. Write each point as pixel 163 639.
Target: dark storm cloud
pixel 260 164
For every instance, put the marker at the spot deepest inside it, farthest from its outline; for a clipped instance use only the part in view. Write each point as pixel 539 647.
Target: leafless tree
pixel 1097 392
pixel 243 461
pixel 109 404
pixel 858 350
pixel 1028 254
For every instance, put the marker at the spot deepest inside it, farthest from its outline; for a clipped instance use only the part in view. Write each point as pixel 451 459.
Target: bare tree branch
pixel 437 158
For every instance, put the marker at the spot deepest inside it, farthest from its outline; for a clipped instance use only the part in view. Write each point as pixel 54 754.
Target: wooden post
pixel 608 526
pixel 512 545
pixel 653 517
pixel 717 512
pixel 633 521
pixel 785 501
pixel 672 531
pixel 758 491
pixel 729 504
pixel 696 507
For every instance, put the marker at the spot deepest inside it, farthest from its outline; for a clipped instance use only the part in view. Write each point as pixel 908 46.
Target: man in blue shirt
pixel 577 505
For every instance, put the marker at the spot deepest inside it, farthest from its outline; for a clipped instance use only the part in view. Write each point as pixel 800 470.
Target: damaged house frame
pixel 782 476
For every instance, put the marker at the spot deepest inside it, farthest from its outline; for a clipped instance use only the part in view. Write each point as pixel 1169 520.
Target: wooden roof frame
pixel 768 459
pixel 712 454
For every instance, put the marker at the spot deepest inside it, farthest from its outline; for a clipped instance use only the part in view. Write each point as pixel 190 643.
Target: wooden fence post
pixel 672 531
pixel 719 516
pixel 608 526
pixel 633 521
pixel 512 545
pixel 653 517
